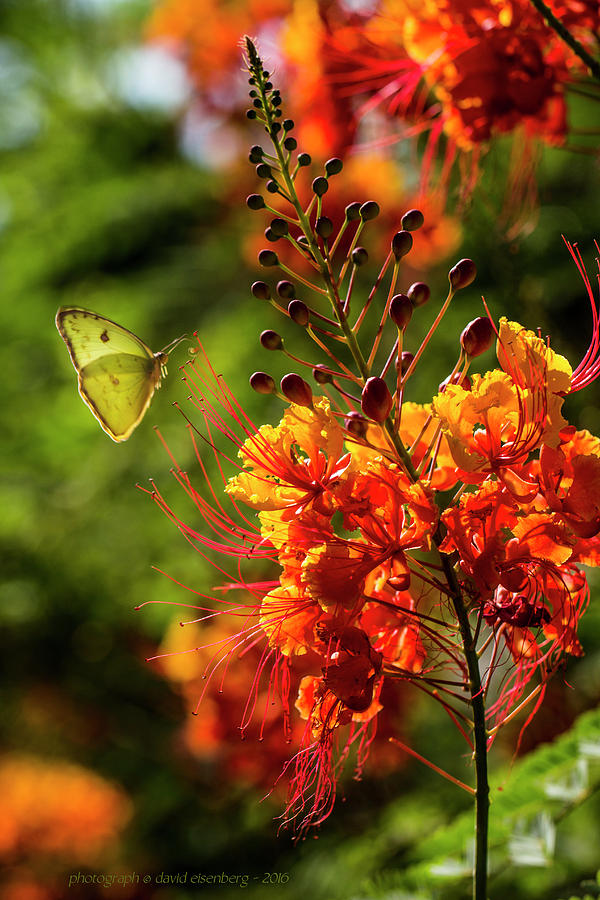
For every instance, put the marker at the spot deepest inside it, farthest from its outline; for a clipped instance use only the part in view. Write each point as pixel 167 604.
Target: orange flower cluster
pixel 227 719
pixel 492 66
pixel 57 808
pixel 394 541
pixel 467 72
pixel 53 810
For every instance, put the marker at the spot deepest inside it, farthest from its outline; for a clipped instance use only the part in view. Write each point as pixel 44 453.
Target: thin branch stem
pixel 564 34
pixel 482 789
pixel 431 765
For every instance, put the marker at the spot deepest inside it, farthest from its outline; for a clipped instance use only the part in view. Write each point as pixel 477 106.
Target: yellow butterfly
pixel 116 371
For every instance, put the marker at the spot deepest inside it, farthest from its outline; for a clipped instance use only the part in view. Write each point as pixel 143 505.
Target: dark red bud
pixel 286 290
pixel 462 274
pixel 359 256
pixel 464 381
pixel 279 227
pixel 320 186
pixel 401 310
pixel 353 211
pixel 298 312
pixel 405 361
pixel 412 220
pixel 376 400
pixel 401 244
pixel 369 211
pixel 356 425
pixel 514 579
pixel 419 293
pixel 271 340
pixel 324 227
pixel 321 375
pixel 268 258
pixel 262 383
pixel 477 336
pixel 261 290
pixel 334 166
pixel 255 201
pixel 296 389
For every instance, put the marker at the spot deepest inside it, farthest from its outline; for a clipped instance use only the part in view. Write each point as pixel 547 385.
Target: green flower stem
pixel 482 790
pixel 592 64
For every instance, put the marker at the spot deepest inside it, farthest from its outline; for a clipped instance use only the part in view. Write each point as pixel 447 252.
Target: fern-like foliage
pixel 527 805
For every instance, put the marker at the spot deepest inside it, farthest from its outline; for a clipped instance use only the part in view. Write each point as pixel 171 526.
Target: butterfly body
pixel 116 372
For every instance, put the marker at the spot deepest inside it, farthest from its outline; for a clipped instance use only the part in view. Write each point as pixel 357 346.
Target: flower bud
pixel 261 290
pixel 334 166
pixel 359 256
pixel 369 210
pixel 352 211
pixel 263 170
pixel 321 375
pixel 296 389
pixel 320 186
pixel 376 400
pixel 286 290
pixel 419 293
pixel 401 244
pixel 255 201
pixel 462 274
pixel 477 336
pixel 401 310
pixel 279 227
pixel 514 579
pixel 270 235
pixel 304 159
pixel 268 258
pixel 288 124
pixel 406 361
pixel 272 187
pixel 324 227
pixel 290 143
pixel 356 425
pixel 412 220
pixel 464 381
pixel 271 340
pixel 262 383
pixel 298 312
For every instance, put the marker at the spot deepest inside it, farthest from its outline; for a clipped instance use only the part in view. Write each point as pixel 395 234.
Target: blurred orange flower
pixel 58 809
pixel 463 73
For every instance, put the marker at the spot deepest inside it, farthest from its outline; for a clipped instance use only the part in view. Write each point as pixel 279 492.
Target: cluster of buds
pixel 401 540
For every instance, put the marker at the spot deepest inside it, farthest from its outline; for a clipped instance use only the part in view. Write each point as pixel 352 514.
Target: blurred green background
pixel 101 208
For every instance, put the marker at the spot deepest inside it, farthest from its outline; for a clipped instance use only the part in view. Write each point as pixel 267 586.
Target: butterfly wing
pixel 117 372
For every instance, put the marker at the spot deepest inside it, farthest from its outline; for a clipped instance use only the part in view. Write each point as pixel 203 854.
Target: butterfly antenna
pixel 176 342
